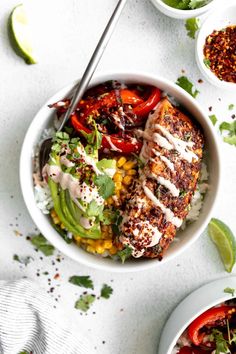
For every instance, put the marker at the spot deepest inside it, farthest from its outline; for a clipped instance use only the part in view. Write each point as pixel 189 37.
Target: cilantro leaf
pixel 192 26
pixel 40 242
pixel 213 119
pixel 207 62
pixel 231 129
pixel 221 342
pixel 184 82
pixel 94 138
pixel 84 302
pixel 82 280
pixel 196 4
pixel 231 107
pixel 229 291
pixel 105 186
pixel 125 253
pixel 22 260
pixel 94 209
pixel 106 291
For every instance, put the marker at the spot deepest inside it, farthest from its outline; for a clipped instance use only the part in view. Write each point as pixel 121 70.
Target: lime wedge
pixel 19 34
pixel 225 242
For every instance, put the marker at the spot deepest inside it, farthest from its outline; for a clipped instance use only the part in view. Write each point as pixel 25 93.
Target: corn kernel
pixel 77 238
pixel 118 177
pixel 118 186
pixel 121 161
pixel 56 220
pixel 90 242
pixel 99 249
pixel 128 165
pixel 90 249
pixel 62 226
pixel 131 172
pixel 108 244
pixel 127 180
pixel 113 250
pixel 110 201
pixel 53 213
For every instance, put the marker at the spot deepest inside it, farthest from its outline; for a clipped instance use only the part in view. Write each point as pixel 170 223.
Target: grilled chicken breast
pixel 160 198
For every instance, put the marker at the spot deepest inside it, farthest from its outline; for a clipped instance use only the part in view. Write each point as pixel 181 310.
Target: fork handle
pixel 93 63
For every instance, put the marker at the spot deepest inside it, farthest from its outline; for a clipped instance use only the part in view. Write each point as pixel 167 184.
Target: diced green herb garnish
pixel 40 242
pixel 82 280
pixel 213 119
pixel 184 82
pixel 229 291
pixel 94 209
pixel 106 291
pixel 22 260
pixel 125 253
pixel 230 128
pixel 207 63
pixel 106 186
pixel 94 138
pixel 186 4
pixel 231 107
pixel 192 26
pixel 84 302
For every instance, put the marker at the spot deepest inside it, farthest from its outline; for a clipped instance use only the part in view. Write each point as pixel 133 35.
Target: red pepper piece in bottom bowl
pixel 189 350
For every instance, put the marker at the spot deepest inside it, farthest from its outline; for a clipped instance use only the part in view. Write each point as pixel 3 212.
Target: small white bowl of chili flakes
pixel 216 47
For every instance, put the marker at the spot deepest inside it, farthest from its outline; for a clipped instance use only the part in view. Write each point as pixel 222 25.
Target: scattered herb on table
pixel 22 260
pixel 207 62
pixel 230 128
pixel 231 107
pixel 192 26
pixel 213 119
pixel 106 291
pixel 40 242
pixel 184 82
pixel 85 301
pixel 83 281
pixel 229 290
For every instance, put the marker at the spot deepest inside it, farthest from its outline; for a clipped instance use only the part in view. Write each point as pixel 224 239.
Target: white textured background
pixel 67 32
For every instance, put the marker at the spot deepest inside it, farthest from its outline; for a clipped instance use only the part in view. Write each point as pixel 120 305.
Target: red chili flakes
pixel 220 53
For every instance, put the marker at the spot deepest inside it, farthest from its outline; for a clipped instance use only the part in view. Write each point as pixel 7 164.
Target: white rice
pixel 43 198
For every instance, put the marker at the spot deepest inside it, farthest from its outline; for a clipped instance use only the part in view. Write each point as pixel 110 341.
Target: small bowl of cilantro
pixel 183 9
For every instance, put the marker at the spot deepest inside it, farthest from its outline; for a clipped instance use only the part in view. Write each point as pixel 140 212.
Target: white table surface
pixel 132 319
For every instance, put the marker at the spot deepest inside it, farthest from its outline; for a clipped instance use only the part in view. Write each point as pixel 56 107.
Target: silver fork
pixel 81 87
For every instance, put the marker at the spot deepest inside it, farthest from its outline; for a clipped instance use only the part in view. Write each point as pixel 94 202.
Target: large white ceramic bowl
pixel 219 19
pixel 183 14
pixel 191 307
pixel 43 119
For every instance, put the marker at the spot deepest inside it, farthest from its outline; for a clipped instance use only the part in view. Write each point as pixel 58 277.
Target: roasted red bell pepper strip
pixel 188 350
pixel 110 141
pixel 130 97
pixel 144 108
pixel 208 318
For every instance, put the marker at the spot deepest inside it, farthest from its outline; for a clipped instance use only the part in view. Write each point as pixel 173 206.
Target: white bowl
pixel 221 18
pixel 43 119
pixel 182 14
pixel 191 307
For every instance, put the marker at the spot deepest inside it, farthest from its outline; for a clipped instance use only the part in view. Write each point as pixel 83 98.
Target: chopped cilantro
pixel 196 4
pixel 213 119
pixel 221 342
pixel 184 82
pixel 22 260
pixel 125 253
pixel 82 280
pixel 231 107
pixel 94 138
pixel 84 302
pixel 105 185
pixel 207 62
pixel 231 129
pixel 186 4
pixel 94 209
pixel 229 291
pixel 192 26
pixel 40 242
pixel 106 291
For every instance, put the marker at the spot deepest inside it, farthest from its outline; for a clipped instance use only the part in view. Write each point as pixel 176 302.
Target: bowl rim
pixel 193 12
pixel 214 298
pixel 199 45
pixel 36 214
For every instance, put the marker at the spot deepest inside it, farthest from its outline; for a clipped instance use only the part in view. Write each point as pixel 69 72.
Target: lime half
pixel 19 34
pixel 225 242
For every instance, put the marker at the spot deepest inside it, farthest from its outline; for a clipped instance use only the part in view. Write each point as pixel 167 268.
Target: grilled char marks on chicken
pixel 159 200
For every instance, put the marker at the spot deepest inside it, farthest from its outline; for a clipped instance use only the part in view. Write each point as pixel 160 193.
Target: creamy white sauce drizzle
pixel 170 217
pixel 64 161
pixel 162 142
pixel 113 147
pixel 179 145
pixel 168 184
pixel 168 163
pixel 88 160
pixel 77 191
pixel 86 223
